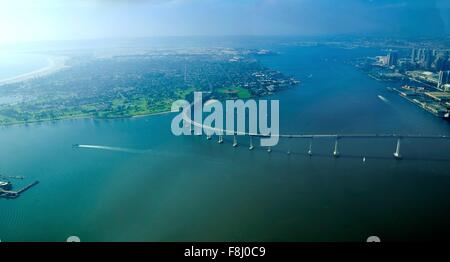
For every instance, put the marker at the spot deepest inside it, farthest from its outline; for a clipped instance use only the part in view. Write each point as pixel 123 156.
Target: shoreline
pixel 142 115
pixel 79 117
pixel 414 101
pixel 55 63
pixel 82 117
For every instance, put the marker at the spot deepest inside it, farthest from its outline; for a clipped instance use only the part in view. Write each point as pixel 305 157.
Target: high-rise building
pixel 413 55
pixel 392 58
pixel 419 55
pixel 427 58
pixel 439 63
pixel 424 57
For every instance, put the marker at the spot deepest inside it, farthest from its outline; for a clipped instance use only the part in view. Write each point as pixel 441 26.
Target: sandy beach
pixel 55 64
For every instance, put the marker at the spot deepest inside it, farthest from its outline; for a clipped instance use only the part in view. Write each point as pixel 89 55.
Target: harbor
pixel 433 102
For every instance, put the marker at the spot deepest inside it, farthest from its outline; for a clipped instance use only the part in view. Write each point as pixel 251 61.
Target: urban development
pixel 112 86
pixel 419 68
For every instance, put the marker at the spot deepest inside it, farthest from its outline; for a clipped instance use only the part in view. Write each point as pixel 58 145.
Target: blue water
pixel 191 189
pixel 14 64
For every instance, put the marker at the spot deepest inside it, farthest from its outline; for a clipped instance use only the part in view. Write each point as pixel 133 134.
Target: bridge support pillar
pixel 235 144
pixel 310 147
pixel 336 150
pixel 397 154
pixel 251 143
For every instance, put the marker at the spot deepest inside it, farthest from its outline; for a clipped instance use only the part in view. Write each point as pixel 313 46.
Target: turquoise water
pixel 191 189
pixel 14 64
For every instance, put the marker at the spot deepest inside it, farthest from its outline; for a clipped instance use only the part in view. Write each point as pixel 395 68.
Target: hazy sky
pixel 36 20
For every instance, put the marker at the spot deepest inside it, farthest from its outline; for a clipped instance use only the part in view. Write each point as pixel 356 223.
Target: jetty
pixel 15 194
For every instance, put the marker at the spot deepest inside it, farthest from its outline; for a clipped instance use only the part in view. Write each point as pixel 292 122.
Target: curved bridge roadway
pixel 336 153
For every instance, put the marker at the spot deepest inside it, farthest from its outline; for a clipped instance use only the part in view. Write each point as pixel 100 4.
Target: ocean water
pixel 14 64
pixel 138 182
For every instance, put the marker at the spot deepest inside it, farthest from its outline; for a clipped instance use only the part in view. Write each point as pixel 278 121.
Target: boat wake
pixel 143 151
pixel 111 148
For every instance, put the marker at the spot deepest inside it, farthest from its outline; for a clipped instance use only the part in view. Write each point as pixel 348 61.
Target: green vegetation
pixel 183 94
pixel 126 86
pixel 236 91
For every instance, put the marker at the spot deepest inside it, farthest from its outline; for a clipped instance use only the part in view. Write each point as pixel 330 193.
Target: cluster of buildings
pixel 269 81
pixel 427 59
pixel 427 73
pixel 424 65
pixel 432 67
pixel 419 59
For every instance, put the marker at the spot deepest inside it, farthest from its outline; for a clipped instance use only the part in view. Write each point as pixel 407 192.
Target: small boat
pixel 5 185
pixel 382 98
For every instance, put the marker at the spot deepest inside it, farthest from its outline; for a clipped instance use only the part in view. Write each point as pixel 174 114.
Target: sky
pixel 41 20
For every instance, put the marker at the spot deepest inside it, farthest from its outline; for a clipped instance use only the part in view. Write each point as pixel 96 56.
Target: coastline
pixel 79 117
pixel 142 115
pixel 55 63
pixel 427 106
pixel 89 116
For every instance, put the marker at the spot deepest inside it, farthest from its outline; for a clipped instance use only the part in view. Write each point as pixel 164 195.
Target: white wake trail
pixel 112 148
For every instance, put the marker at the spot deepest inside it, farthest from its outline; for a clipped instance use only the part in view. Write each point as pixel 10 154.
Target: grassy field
pixel 240 92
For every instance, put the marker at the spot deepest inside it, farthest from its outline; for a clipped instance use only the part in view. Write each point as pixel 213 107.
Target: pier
pixel 15 194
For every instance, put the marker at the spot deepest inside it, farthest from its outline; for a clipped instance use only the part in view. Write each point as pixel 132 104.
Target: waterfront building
pixel 444 79
pixel 419 55
pixel 446 88
pixel 439 63
pixel 392 58
pixel 413 55
pixel 427 58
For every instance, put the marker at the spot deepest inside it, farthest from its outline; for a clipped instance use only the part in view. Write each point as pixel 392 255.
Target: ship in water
pixel 5 185
pixel 382 98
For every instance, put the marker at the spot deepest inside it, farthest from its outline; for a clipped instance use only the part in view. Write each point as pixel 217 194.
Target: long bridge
pixel 336 153
pixel 337 137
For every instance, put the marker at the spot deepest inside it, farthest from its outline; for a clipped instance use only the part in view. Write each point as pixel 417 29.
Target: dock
pixel 15 194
